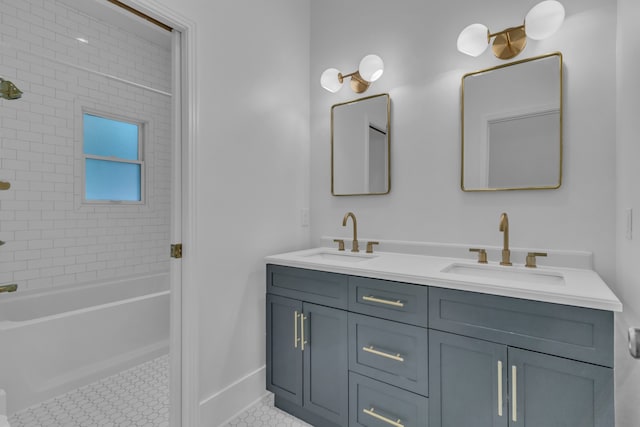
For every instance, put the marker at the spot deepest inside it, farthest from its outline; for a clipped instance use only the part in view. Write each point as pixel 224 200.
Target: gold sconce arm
pixel 370 69
pixel 542 21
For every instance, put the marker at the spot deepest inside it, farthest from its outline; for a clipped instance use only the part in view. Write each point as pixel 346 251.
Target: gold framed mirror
pixel 360 146
pixel 511 126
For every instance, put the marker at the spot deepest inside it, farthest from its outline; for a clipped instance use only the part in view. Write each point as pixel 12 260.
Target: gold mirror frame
pixel 388 145
pixel 561 124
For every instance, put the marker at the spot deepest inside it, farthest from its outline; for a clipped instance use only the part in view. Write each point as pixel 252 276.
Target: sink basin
pixel 506 273
pixel 347 257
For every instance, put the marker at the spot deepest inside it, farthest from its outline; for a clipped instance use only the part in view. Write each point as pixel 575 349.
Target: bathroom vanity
pixel 411 340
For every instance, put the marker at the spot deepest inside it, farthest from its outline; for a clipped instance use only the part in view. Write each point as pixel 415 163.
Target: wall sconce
pixel 542 21
pixel 370 69
pixel 8 90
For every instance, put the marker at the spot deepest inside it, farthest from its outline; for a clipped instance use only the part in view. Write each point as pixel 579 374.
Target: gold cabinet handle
pixel 371 412
pixel 302 340
pixel 295 329
pixel 499 388
pixel 397 357
pixel 371 298
pixel 514 393
pixel 5 185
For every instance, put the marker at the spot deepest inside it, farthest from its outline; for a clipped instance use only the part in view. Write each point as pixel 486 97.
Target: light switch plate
pixel 304 217
pixel 634 342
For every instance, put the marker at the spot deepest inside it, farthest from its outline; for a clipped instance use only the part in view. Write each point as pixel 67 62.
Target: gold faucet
pixel 8 288
pixel 354 245
pixel 504 227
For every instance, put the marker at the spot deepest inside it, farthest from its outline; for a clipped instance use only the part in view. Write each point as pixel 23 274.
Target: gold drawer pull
pixel 514 393
pixel 499 388
pixel 372 350
pixel 303 341
pixel 371 298
pixel 295 329
pixel 371 412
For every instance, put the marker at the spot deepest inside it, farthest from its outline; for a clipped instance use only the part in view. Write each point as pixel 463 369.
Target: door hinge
pixel 176 250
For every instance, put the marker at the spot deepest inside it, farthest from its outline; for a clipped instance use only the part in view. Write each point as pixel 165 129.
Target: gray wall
pixel 417 41
pixel 252 177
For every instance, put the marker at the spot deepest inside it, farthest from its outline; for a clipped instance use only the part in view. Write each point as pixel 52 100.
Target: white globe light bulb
pixel 371 68
pixel 473 40
pixel 544 19
pixel 329 80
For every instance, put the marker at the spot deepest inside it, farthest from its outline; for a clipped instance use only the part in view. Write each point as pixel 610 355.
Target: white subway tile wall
pixel 52 238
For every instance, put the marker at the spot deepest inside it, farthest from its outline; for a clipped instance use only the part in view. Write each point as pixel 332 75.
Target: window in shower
pixel 113 164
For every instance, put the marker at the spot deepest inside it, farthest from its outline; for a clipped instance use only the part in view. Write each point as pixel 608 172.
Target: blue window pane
pixel 110 138
pixel 108 180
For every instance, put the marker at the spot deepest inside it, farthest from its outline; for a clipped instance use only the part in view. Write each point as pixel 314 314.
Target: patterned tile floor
pixel 264 414
pixel 136 397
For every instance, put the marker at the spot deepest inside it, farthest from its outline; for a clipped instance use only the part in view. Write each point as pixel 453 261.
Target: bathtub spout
pixel 8 288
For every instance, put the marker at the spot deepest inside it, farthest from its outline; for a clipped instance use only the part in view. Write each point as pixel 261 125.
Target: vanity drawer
pixel 375 404
pixel 397 301
pixel 393 352
pixel 573 332
pixel 318 287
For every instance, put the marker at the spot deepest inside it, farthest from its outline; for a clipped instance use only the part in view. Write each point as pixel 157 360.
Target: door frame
pixel 184 360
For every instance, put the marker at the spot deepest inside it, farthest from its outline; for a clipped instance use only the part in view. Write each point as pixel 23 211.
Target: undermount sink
pixel 506 273
pixel 349 257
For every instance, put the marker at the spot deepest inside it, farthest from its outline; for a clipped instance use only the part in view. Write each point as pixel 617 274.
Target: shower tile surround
pixel 52 238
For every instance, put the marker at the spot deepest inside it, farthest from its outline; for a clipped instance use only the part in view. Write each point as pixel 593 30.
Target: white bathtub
pixel 56 340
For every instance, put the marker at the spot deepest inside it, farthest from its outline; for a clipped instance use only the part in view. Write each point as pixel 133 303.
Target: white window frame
pixel 142 125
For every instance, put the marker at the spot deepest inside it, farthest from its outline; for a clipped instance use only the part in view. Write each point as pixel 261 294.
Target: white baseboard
pixel 224 405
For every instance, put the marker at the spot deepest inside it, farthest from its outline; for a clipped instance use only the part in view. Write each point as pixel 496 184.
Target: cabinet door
pixel 552 391
pixel 284 358
pixel 467 382
pixel 326 382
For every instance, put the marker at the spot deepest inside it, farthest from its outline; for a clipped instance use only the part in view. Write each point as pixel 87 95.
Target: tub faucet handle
pixel 8 288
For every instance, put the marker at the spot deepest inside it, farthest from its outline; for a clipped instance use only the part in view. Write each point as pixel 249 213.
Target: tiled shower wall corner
pixel 52 238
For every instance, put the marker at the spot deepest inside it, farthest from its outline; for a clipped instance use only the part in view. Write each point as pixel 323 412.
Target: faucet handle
pixel 340 243
pixel 531 258
pixel 482 254
pixel 370 246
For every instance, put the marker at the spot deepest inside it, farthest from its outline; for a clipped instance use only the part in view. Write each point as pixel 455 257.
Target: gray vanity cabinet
pixel 307 354
pixel 464 375
pixel 353 351
pixel 552 391
pixel 477 383
pixel 284 357
pixel 325 367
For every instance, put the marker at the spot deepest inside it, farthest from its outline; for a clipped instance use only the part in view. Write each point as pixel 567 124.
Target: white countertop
pixel 576 287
